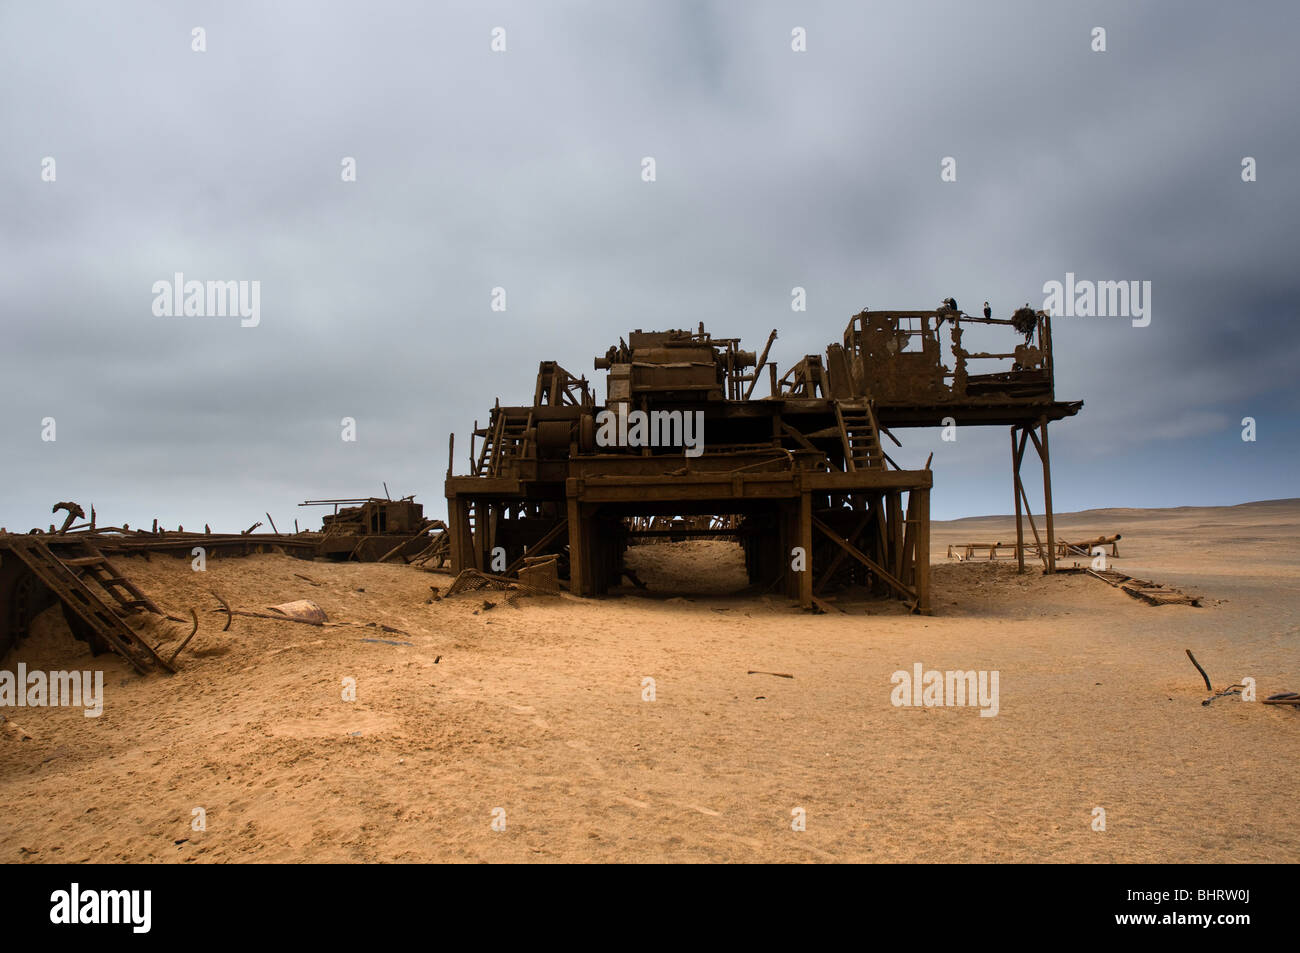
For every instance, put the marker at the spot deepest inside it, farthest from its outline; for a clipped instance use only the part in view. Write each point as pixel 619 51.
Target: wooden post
pixel 578 581
pixel 881 550
pixel 895 504
pixel 1015 487
pixel 805 541
pixel 461 542
pixel 1047 497
pixel 479 533
pixel 910 561
pixel 922 551
pixel 789 540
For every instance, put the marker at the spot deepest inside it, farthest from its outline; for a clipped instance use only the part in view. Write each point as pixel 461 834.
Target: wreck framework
pixel 799 477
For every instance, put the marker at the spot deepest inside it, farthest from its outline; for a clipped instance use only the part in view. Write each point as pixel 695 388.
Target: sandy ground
pixel 539 711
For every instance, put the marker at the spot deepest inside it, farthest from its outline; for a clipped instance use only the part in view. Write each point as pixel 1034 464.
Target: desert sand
pixel 538 710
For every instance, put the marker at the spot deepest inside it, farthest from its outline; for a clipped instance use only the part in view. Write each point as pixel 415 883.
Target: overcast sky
pixel 522 169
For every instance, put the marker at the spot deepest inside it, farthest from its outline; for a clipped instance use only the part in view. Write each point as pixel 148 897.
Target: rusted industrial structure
pixel 372 529
pixel 799 477
pixel 680 448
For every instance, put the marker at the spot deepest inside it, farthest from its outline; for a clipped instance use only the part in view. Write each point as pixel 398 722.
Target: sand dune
pixel 539 710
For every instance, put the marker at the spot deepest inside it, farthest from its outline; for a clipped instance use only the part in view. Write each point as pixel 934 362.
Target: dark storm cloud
pixel 522 170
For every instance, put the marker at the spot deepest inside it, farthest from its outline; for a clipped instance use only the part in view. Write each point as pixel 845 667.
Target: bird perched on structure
pixel 949 304
pixel 988 312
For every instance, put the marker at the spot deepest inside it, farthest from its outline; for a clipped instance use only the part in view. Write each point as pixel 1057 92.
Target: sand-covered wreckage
pixel 682 446
pixel 80 565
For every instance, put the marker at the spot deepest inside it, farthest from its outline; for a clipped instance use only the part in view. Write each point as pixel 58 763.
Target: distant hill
pixel 1123 512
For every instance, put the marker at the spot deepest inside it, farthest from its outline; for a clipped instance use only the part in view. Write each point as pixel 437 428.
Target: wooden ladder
pixel 859 435
pixel 69 578
pixel 487 452
pixel 509 441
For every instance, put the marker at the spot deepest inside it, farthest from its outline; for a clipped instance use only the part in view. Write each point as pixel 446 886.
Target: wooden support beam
pixel 1016 492
pixel 539 547
pixel 922 498
pixel 805 541
pixel 758 367
pixel 840 556
pixel 1038 543
pixel 877 508
pixel 424 528
pixel 1047 555
pixel 866 560
pixel 458 515
pixel 797 437
pixel 895 503
pixel 478 526
pixel 908 575
pixel 578 582
pixel 1045 456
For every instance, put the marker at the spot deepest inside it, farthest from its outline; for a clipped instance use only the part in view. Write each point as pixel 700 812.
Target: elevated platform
pixel 800 475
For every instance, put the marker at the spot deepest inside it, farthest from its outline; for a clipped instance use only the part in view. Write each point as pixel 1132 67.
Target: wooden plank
pixel 540 546
pixel 826 606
